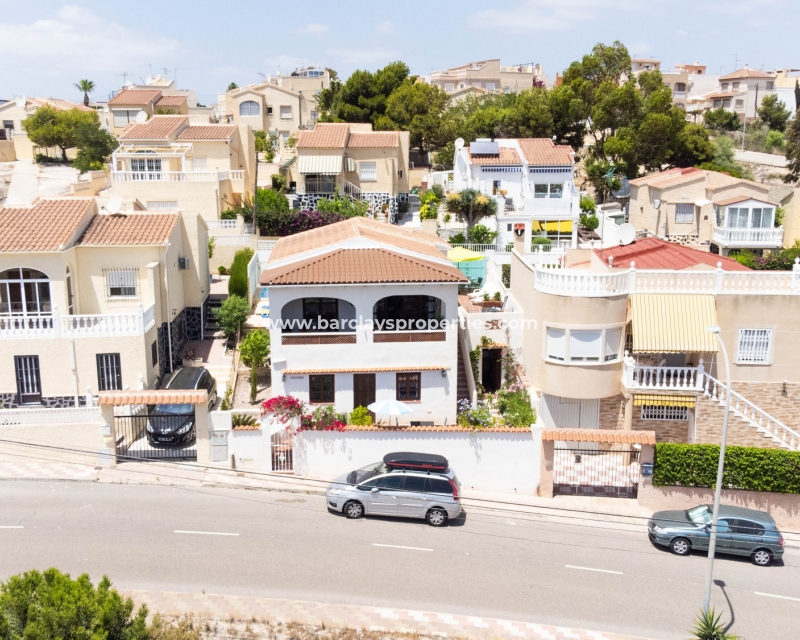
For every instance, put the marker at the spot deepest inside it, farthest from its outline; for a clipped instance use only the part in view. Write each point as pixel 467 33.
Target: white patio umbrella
pixel 389 408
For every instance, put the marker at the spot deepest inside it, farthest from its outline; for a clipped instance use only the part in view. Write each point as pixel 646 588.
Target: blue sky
pixel 47 45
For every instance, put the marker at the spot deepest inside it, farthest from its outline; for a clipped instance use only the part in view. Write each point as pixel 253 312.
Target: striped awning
pixel 653 400
pixel 289 162
pixel 323 165
pixel 673 323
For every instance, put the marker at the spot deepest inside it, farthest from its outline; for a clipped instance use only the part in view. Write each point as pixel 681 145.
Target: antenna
pixel 262 76
pixel 124 75
pixel 165 73
pixel 114 204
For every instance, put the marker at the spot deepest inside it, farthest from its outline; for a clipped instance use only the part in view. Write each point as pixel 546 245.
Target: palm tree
pixel 87 86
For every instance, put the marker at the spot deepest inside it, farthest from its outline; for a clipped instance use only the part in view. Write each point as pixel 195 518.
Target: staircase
pixel 211 328
pixel 463 389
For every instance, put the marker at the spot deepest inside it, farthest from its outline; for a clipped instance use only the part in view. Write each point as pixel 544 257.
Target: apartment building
pixel 14 142
pixel 698 207
pixel 337 291
pixel 491 76
pixel 94 302
pixel 351 159
pixel 742 91
pixel 168 164
pixel 621 341
pixel 533 180
pixel 690 84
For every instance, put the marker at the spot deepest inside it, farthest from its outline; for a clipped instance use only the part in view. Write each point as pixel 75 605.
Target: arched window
pixel 408 313
pixel 249 108
pixel 24 292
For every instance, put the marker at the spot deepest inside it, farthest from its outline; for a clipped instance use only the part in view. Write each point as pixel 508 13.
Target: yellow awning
pixel 664 401
pixel 673 323
pixel 560 226
pixel 324 165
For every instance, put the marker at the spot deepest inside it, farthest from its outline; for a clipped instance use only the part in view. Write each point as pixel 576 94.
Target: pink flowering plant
pixel 287 408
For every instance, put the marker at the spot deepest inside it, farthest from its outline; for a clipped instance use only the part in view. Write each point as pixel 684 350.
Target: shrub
pixel 402 207
pixel 458 238
pixel 343 206
pixel 588 204
pixel 746 468
pixel 506 274
pixel 775 140
pixel 211 245
pixel 428 211
pixel 278 182
pixel 497 297
pixel 480 234
pixel 360 417
pixel 721 120
pixel 782 260
pixel 478 418
pixel 255 351
pixel 225 405
pixel 50 604
pixel 285 408
pixel 237 285
pixel 228 214
pixel 541 240
pixel 231 315
pixel 447 218
pixel 590 222
pixel 707 626
pixel 182 629
pixel 323 419
pixel 222 270
pixel 271 205
pixel 514 405
pixel 243 420
pixel 438 191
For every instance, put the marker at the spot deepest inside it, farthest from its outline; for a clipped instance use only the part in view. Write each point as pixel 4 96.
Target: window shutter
pixel 754 345
pixel 368 170
pixel 556 344
pixel 584 345
pixel 612 344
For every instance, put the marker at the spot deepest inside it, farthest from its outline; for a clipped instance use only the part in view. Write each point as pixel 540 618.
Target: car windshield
pixel 365 473
pixel 174 409
pixel 699 515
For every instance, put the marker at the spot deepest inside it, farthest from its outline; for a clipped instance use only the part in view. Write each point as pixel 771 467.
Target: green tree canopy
pixel 471 206
pixel 255 351
pixel 418 108
pixel 232 86
pixel 721 120
pixel 363 97
pixel 792 141
pixel 48 127
pixel 774 113
pixel 231 315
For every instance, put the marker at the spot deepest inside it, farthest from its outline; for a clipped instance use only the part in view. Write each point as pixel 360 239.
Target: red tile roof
pixel 156 128
pixel 208 132
pixel 44 226
pixel 154 396
pixel 599 435
pixel 747 73
pixel 132 229
pixel 374 140
pixel 324 136
pixel 137 97
pixel 654 253
pixel 506 156
pixel 348 266
pixel 58 104
pixel 171 101
pixel 543 151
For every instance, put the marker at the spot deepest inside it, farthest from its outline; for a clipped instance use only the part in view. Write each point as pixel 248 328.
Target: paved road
pixel 289 546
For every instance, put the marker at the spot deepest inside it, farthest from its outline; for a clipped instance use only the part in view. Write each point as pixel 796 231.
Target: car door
pixel 724 534
pixel 746 536
pixel 412 500
pixel 380 494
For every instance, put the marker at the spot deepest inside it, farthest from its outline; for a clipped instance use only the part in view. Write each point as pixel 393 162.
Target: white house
pixel 337 291
pixel 744 222
pixel 742 92
pixel 532 180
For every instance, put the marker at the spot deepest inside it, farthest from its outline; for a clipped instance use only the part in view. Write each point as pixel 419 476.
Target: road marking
pixel 397 546
pixel 572 566
pixel 772 595
pixel 12 527
pixel 207 533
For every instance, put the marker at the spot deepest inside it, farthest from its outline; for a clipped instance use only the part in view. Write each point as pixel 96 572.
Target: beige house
pixel 621 341
pixel 128 104
pixel 14 142
pixel 272 108
pixel 491 76
pixel 92 301
pixel 350 159
pixel 690 206
pixel 167 164
pixel 742 92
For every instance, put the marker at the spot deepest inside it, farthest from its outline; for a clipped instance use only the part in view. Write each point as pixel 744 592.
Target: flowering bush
pixel 285 408
pixel 478 418
pixel 323 419
pixel 514 404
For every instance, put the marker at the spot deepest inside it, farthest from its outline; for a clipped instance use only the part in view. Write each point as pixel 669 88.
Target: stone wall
pixel 708 427
pixel 10 401
pixel 376 201
pixel 612 416
pixel 769 397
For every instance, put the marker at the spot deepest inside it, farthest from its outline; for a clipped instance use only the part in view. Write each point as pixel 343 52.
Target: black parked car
pixel 173 424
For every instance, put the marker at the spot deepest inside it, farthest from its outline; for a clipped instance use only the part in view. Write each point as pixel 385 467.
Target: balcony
pixel 748 238
pixel 54 325
pixel 176 176
pixel 321 337
pixel 409 336
pixel 647 378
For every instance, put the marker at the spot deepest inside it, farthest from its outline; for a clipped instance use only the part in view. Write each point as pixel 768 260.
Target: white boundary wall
pixel 483 461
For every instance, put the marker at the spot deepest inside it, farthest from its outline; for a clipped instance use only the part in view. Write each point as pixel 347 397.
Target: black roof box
pixel 421 461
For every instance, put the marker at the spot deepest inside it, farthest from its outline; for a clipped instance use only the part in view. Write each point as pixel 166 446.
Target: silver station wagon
pixel 406 485
pixel 740 531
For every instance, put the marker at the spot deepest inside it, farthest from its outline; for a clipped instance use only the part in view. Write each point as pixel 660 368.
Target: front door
pixel 364 390
pixel 492 369
pixel 29 383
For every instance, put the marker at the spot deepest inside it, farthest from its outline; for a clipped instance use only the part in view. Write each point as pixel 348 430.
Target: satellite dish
pixel 624 190
pixel 20 101
pixel 459 143
pixel 656 203
pixel 141 117
pixel 114 204
pixel 626 233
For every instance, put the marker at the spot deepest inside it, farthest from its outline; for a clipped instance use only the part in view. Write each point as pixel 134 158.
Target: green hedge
pixel 748 468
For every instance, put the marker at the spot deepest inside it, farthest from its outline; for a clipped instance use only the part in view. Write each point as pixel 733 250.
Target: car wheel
pixel 353 510
pixel 436 517
pixel 762 557
pixel 680 546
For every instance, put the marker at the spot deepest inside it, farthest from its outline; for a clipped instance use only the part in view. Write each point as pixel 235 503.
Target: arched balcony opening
pixel 318 321
pixel 409 319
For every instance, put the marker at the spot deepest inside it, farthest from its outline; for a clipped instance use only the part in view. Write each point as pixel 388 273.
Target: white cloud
pixel 314 29
pixel 364 56
pixel 385 26
pixel 547 15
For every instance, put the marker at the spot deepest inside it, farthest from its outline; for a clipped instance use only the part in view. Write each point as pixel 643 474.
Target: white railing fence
pixel 68 415
pixel 662 378
pixel 770 237
pixel 222 224
pixel 266 245
pixel 169 176
pixel 757 417
pixel 236 240
pixel 56 325
pixel 236 174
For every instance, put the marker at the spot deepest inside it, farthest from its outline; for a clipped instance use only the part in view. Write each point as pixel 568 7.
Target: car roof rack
pixel 415 461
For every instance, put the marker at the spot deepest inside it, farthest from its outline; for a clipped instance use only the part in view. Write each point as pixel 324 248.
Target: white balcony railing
pixel 169 176
pixel 266 245
pixel 222 224
pixel 649 378
pixel 55 325
pixel 772 238
pixel 579 282
pixel 236 174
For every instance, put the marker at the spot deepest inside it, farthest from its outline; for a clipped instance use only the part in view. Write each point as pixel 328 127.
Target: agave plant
pixel 243 420
pixel 707 626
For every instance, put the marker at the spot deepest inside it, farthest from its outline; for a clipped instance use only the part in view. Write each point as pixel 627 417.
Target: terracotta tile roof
pixel 734 199
pixel 171 101
pixel 58 104
pixel 346 266
pixel 246 427
pixel 415 367
pixel 467 304
pixel 137 97
pixel 324 136
pixel 156 128
pixel 208 132
pixel 507 156
pixel 654 253
pixel 331 234
pixel 748 73
pixel 543 151
pixel 451 428
pixel 669 177
pixel 131 229
pixel 374 140
pixel 153 396
pixel 44 226
pixel 599 435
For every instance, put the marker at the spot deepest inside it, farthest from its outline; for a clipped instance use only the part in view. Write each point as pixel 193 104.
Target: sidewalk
pixel 224 608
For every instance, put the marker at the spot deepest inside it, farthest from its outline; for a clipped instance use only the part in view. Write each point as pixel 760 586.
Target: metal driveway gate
pixel 594 472
pixel 133 441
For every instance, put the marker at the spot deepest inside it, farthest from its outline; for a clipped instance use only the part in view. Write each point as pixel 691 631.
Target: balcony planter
pixel 487 304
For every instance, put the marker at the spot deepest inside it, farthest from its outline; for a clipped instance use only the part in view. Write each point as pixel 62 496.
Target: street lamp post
pixel 720 468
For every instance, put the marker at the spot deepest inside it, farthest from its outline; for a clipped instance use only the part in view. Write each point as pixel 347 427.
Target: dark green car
pixel 741 532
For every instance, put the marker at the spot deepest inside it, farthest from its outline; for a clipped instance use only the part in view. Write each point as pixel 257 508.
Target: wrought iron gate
pixel 145 435
pixel 595 472
pixel 281 444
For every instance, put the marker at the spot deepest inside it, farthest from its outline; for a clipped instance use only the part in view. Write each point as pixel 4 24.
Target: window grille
pixel 653 412
pixel 109 372
pixel 121 283
pixel 684 213
pixel 286 113
pixel 754 346
pixel 249 108
pixel 368 170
